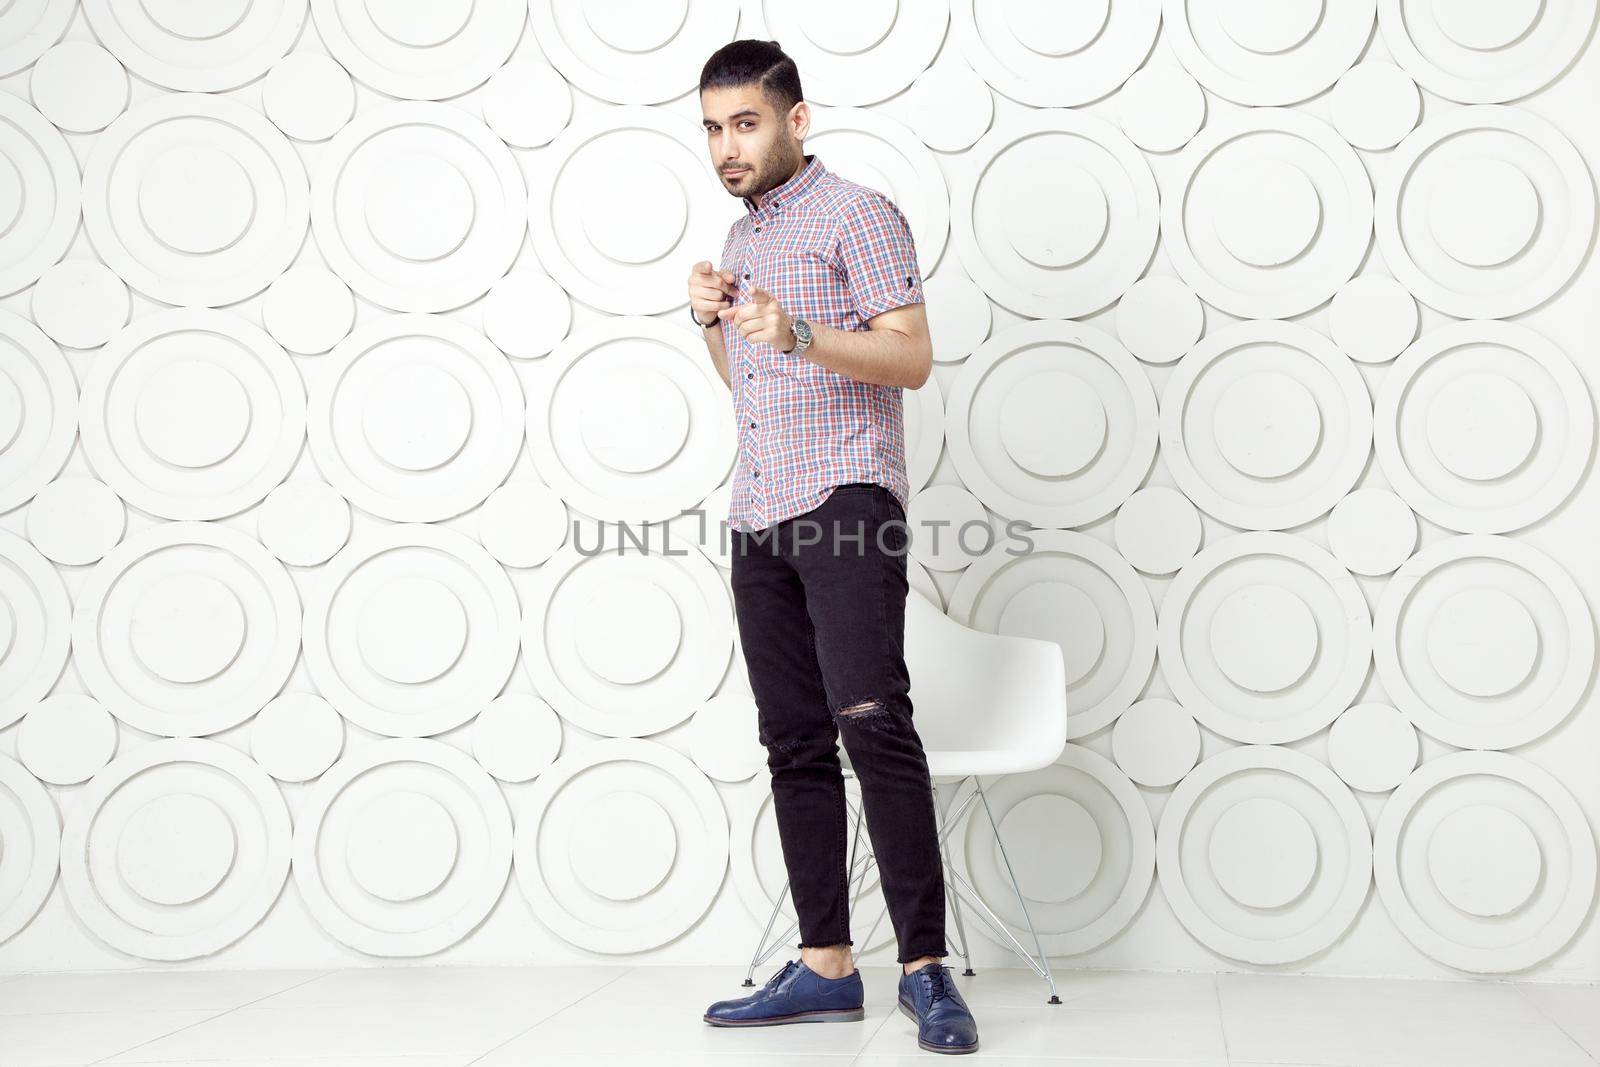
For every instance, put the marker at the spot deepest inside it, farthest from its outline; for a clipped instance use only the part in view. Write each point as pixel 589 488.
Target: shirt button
pixel 747 275
pixel 758 229
pixel 752 424
pixel 747 374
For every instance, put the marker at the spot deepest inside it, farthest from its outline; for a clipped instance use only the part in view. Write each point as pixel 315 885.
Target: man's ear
pixel 800 121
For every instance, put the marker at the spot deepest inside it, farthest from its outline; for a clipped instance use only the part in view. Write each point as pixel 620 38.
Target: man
pixel 816 321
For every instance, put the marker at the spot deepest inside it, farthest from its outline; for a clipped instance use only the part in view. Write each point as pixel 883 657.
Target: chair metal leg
pixel 1015 888
pixel 955 898
pixel 955 882
pixel 764 950
pixel 755 960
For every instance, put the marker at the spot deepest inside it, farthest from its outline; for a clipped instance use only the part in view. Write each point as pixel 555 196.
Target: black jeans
pixel 820 600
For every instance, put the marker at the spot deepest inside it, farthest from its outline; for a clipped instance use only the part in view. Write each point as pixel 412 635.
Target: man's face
pixel 753 147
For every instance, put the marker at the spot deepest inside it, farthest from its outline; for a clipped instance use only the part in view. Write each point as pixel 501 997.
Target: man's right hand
pixel 710 291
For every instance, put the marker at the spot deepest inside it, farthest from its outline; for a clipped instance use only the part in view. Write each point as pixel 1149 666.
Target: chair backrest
pixel 983 703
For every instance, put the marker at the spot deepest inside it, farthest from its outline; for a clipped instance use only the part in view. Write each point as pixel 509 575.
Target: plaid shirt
pixel 832 252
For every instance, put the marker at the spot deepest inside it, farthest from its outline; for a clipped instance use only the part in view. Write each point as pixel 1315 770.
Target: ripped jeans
pixel 820 600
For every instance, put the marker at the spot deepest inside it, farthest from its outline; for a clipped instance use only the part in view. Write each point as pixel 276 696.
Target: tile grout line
pixel 209 1018
pixel 862 1051
pixel 1222 1027
pixel 552 1015
pixel 1552 1020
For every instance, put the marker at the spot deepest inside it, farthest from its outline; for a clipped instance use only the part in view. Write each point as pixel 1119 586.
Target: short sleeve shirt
pixel 836 253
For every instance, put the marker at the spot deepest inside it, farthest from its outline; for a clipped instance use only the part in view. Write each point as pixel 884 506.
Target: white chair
pixel 983 704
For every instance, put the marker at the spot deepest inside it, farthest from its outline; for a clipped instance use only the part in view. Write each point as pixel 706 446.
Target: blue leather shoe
pixel 944 1024
pixel 796 994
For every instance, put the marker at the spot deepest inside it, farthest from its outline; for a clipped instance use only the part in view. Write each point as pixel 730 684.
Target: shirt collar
pixel 793 189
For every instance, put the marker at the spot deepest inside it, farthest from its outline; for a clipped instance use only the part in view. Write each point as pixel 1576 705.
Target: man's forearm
pixel 883 357
pixel 719 352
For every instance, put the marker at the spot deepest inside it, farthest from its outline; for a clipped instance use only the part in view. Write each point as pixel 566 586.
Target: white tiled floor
pixel 623 1016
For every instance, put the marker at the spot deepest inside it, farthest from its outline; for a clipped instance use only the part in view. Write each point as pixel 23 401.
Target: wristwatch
pixel 802 336
pixel 697 322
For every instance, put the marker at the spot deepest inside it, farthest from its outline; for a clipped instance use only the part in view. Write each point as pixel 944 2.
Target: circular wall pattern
pixel 195 199
pixel 197 47
pixel 951 107
pixel 304 522
pixel 1372 747
pixel 1264 855
pixel 1278 53
pixel 1266 425
pixel 1072 589
pixel 32 847
pixel 527 103
pixel 38 410
pixel 1468 262
pixel 369 183
pixel 1156 742
pixel 516 737
pixel 420 51
pixel 1484 426
pixel 623 847
pixel 1158 529
pixel 412 630
pixel 308 310
pixel 460 225
pixel 635 53
pixel 1055 55
pixel 1272 213
pixel 627 422
pixel 1485 54
pixel 80 303
pixel 186 628
pixel 40 194
pixel 30 29
pixel 1055 214
pixel 35 623
pixel 79 86
pixel 66 738
pixel 175 850
pixel 75 520
pixel 1374 105
pixel 626 198
pixel 308 96
pixel 192 414
pixel 1052 422
pixel 1161 108
pixel 1265 637
pixel 296 737
pixel 403 847
pixel 827 37
pixel 1485 862
pixel 1089 861
pixel 415 417
pixel 625 641
pixel 1484 641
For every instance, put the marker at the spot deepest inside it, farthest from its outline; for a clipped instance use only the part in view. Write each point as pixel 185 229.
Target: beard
pixel 772 171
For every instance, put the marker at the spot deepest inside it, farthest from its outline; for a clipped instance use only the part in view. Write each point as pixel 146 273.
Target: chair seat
pixel 983 703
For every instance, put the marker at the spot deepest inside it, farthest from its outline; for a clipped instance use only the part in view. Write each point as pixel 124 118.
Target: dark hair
pixel 754 62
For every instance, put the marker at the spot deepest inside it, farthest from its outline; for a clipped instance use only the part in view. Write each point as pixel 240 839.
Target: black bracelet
pixel 697 322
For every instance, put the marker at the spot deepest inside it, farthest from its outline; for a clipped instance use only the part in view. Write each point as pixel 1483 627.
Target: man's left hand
pixel 763 319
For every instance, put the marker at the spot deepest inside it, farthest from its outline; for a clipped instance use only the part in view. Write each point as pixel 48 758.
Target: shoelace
pixel 938 983
pixel 782 973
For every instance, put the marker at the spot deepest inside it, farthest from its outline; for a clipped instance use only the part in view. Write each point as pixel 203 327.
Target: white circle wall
pixel 1273 324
